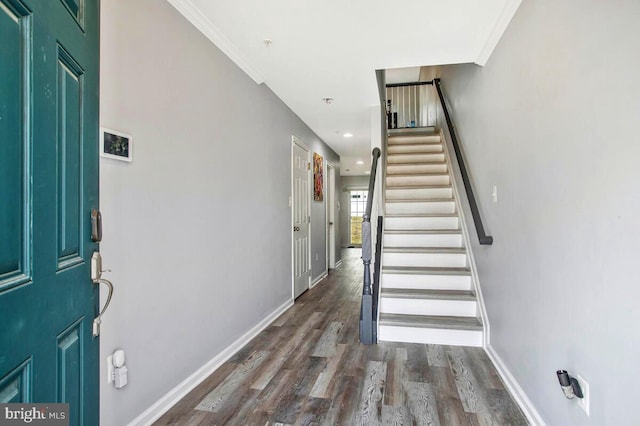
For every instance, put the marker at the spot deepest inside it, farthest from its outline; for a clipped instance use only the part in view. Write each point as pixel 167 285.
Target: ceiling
pixel 331 49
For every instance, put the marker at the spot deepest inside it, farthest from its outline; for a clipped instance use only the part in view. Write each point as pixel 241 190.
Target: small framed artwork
pixel 115 145
pixel 318 180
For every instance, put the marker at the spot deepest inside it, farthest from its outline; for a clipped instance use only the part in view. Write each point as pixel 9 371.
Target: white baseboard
pixel 320 278
pixel 517 393
pixel 163 405
pixel 338 263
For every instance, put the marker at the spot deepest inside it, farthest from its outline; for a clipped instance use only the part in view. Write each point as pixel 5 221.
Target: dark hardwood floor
pixel 309 368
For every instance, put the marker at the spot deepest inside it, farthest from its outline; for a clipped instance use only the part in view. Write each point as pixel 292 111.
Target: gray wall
pixel 348 182
pixel 552 120
pixel 197 228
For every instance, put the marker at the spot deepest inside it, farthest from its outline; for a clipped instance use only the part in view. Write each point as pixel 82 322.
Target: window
pixel 358 204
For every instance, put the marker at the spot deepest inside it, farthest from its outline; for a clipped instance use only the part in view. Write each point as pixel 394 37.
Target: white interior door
pixel 331 222
pixel 301 199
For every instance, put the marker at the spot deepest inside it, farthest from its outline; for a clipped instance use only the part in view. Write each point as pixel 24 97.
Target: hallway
pixel 309 368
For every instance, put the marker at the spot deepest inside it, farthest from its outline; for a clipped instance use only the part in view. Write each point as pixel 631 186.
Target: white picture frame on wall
pixel 116 145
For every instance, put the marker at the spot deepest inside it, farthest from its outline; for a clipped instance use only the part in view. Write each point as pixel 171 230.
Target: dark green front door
pixel 49 58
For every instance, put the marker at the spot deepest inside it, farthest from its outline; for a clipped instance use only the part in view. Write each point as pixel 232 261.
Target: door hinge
pixel 308 166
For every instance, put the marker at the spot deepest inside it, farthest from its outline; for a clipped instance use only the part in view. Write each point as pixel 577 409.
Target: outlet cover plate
pixel 583 402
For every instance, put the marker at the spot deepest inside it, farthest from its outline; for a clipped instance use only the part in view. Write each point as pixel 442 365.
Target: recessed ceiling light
pixel 359 162
pixel 348 135
pixel 367 172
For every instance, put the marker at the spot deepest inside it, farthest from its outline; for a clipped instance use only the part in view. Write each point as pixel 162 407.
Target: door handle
pixel 96 278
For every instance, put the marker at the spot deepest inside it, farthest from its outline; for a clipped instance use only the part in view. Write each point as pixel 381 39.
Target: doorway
pixel 331 216
pixel 300 216
pixel 357 207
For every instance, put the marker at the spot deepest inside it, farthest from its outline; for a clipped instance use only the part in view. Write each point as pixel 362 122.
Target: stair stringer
pixel 383 211
pixel 475 280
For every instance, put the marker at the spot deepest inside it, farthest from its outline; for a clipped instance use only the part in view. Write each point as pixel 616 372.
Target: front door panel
pixel 48 186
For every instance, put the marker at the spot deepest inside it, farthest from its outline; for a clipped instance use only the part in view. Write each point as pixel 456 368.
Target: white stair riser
pixel 416 168
pixel 414 158
pixel 422 240
pixel 430 336
pixel 418 193
pixel 456 308
pixel 426 282
pixel 421 207
pixel 421 223
pixel 410 149
pixel 428 260
pixel 399 140
pixel 410 180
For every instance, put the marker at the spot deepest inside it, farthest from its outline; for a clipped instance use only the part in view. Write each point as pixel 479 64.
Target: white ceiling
pixel 331 49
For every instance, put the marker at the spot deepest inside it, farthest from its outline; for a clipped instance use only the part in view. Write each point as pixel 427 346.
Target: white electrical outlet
pixel 584 401
pixel 110 369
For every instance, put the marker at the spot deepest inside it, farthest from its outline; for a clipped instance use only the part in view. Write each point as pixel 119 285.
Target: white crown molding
pixel 510 8
pixel 213 33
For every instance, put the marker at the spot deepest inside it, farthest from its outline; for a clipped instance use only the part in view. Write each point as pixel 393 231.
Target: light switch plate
pixel 584 401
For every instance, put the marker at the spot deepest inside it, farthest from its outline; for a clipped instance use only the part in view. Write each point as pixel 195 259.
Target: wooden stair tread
pixel 434 250
pixel 431 321
pixel 407 293
pixel 393 142
pixel 421 215
pixel 417 270
pixel 419 186
pixel 418 174
pixel 415 150
pixel 417 163
pixel 407 154
pixel 420 200
pixel 423 231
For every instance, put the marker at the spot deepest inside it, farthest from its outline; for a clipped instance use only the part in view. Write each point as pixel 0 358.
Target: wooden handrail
pixel 415 83
pixel 475 212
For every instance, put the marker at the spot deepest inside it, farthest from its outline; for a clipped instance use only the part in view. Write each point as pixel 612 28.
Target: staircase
pixel 427 293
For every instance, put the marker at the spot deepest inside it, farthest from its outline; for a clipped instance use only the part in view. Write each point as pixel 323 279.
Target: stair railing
pixel 368 308
pixel 475 212
pixel 410 105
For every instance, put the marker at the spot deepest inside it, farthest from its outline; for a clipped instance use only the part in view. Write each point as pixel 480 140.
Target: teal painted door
pixel 49 59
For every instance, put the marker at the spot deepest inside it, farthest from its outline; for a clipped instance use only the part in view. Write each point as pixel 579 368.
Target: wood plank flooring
pixel 308 368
